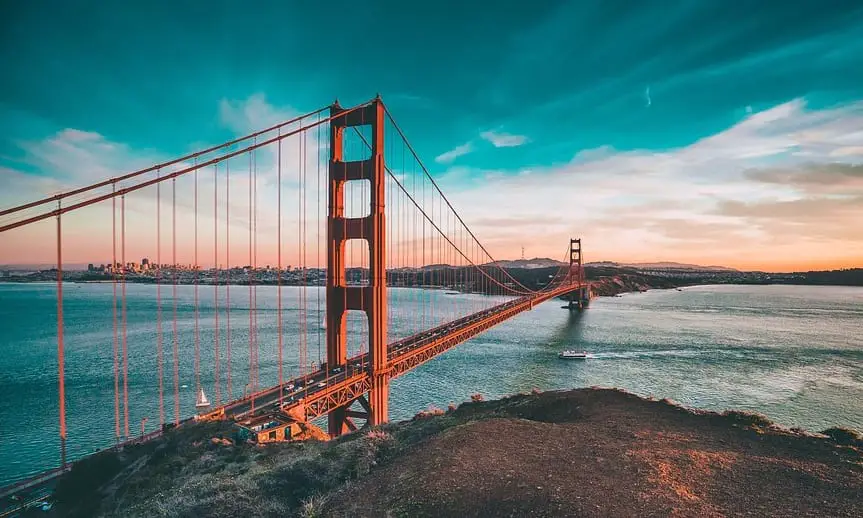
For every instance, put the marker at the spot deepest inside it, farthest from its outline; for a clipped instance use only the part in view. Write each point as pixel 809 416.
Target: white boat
pixel 572 355
pixel 202 402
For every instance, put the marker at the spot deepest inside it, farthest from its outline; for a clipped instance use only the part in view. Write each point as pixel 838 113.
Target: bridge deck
pixel 333 387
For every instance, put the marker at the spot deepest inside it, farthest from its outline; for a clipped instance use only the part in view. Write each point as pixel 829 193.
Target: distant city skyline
pixel 707 132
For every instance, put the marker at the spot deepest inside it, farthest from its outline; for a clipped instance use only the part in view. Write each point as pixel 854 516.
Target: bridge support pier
pixel 371 298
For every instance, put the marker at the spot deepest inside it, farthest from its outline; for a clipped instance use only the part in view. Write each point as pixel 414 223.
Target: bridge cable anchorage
pixel 129 176
pixel 170 176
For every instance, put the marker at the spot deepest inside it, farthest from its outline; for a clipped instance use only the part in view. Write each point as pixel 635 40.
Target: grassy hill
pixel 586 452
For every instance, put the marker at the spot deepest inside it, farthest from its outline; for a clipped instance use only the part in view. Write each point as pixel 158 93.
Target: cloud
pixel 744 196
pixel 252 114
pixel 499 139
pixel 452 154
pixel 73 158
pixel 831 178
pixel 495 138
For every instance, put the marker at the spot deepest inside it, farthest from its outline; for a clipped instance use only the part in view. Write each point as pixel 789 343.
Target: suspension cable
pixel 425 170
pixel 175 174
pixel 156 167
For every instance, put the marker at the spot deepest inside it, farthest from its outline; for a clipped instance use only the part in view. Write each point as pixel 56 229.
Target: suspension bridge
pixel 269 252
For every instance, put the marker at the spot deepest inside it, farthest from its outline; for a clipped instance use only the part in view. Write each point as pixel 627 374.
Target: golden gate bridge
pixel 350 196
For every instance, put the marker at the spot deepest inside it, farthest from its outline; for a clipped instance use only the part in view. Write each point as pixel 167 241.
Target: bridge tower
pixel 579 298
pixel 370 298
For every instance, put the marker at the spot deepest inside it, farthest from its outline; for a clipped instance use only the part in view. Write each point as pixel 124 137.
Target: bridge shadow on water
pixel 570 334
pixel 541 368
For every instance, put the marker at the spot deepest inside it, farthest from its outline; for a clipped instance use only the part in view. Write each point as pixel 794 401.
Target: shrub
pixel 378 435
pixel 844 436
pixel 748 419
pixel 430 412
pixel 312 506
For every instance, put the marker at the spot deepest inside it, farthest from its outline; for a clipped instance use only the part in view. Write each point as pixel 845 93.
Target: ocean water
pixel 794 353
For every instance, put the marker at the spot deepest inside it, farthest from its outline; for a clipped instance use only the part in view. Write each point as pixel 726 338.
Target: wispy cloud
pixel 500 139
pixel 452 154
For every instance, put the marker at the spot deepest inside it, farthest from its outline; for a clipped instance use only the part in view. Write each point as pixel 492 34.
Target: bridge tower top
pixel 575 260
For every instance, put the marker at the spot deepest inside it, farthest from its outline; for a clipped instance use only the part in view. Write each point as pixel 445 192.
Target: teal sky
pixel 624 100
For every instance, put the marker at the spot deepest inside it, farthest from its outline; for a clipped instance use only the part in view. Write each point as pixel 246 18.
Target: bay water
pixel 793 353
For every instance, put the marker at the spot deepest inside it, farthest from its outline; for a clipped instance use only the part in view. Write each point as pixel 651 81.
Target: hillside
pixel 586 452
pixel 664 265
pixel 537 262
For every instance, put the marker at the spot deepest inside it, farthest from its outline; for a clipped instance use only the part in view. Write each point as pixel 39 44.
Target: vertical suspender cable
pixel 279 260
pixel 303 356
pixel 114 312
pixel 318 239
pixel 174 294
pixel 216 282
pixel 304 310
pixel 125 343
pixel 61 362
pixel 228 276
pixel 255 268
pixel 250 274
pixel 363 238
pixel 423 264
pixel 196 267
pixel 159 299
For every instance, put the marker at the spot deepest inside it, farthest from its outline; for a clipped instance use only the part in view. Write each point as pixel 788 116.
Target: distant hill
pixel 665 265
pixel 538 262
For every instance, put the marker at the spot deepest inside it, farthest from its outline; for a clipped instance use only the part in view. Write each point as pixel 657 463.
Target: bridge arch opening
pixel 356 142
pixel 358 198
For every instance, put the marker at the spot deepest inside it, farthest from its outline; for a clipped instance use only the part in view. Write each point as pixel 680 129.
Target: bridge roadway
pixel 332 387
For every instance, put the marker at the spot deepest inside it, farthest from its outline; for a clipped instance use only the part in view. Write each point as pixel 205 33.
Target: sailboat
pixel 202 402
